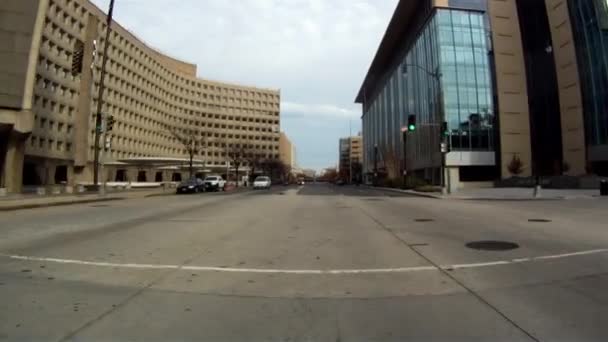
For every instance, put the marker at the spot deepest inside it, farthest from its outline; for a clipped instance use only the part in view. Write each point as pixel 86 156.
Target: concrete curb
pixel 409 192
pixel 508 199
pixel 169 193
pixel 58 204
pixel 465 198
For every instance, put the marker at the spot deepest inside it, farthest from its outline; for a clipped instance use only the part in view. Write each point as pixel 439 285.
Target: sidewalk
pixel 522 194
pixel 28 201
pixel 507 194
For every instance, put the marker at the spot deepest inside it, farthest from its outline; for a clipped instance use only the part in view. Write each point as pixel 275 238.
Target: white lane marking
pixel 523 260
pixel 218 269
pixel 476 265
pixel 594 251
pixel 284 271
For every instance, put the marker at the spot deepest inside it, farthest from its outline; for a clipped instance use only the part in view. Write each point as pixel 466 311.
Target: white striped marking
pixel 319 272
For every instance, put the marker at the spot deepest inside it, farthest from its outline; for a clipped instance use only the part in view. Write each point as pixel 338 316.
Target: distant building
pixel 287 151
pixel 309 173
pixel 351 153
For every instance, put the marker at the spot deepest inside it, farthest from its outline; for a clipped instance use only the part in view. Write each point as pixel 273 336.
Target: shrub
pixel 516 166
pixel 415 182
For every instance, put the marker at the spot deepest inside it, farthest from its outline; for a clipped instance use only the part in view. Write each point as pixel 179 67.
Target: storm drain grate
pixel 374 199
pixel 539 220
pixel 424 220
pixel 100 206
pixel 492 245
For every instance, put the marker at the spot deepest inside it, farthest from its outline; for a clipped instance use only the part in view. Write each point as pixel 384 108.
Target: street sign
pixel 444 147
pixel 404 129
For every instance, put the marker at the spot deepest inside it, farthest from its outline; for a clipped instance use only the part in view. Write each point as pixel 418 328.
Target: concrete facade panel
pixel 514 117
pixel 573 131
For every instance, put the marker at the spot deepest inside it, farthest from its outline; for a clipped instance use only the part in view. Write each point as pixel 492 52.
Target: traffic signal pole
pixel 98 115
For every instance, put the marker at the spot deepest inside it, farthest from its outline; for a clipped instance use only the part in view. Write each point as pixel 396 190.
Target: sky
pixel 316 52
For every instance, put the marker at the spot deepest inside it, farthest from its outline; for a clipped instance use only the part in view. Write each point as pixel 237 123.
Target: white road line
pixel 218 269
pixel 285 271
pixel 559 256
pixel 523 260
pixel 476 265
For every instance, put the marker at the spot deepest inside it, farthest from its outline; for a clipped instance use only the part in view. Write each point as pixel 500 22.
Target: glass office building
pixel 589 20
pixel 445 72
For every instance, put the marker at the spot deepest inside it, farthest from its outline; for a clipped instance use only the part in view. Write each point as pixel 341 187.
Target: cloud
pixel 328 111
pixel 316 51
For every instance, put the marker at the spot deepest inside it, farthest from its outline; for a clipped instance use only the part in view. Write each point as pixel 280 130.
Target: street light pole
pixel 98 114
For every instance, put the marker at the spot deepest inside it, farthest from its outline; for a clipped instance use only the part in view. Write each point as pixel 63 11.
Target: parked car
pixel 194 185
pixel 214 183
pixel 262 182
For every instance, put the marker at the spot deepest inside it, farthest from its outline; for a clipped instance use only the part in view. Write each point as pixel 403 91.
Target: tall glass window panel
pixel 466 79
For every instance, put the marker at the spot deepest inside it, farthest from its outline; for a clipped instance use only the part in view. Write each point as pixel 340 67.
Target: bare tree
pixel 273 167
pixel 286 172
pixel 329 175
pixel 193 142
pixel 236 152
pixel 255 162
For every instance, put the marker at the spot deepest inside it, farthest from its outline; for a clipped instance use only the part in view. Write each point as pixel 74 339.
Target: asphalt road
pixel 312 263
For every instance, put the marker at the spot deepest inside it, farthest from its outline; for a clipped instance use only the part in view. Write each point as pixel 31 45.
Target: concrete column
pixel 512 89
pixel 3 145
pixel 83 174
pixel 13 163
pixel 52 168
pixel 132 174
pixel 568 79
pixel 43 172
pixel 71 175
pixel 453 179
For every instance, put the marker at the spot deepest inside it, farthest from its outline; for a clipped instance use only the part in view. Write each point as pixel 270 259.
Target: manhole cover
pixel 492 245
pixel 424 220
pixel 539 220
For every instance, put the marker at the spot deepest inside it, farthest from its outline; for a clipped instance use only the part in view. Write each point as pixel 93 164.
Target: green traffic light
pixel 411 128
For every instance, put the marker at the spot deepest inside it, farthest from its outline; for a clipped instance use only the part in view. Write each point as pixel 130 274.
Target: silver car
pixel 262 182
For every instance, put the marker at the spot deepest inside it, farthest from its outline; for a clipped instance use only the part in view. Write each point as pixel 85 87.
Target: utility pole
pixel 375 164
pixel 98 115
pixel 350 151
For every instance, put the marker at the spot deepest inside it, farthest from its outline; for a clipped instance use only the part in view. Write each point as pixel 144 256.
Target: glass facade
pixel 590 28
pixel 446 70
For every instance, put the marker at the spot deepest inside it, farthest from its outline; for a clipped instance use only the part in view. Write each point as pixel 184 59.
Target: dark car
pixel 190 186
